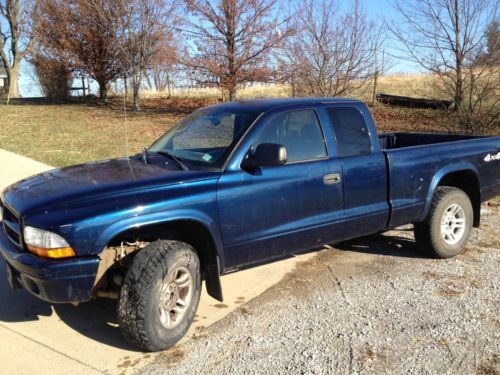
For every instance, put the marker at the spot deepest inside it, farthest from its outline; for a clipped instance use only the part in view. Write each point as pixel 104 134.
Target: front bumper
pixel 55 281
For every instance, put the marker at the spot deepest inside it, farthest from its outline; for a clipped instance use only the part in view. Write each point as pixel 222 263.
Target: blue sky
pixel 382 10
pixel 378 9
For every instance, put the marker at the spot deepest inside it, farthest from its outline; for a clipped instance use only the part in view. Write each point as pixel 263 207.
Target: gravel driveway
pixel 372 305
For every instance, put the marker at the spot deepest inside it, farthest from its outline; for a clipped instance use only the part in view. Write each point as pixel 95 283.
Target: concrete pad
pixel 22 356
pixel 38 337
pixel 89 334
pixel 15 167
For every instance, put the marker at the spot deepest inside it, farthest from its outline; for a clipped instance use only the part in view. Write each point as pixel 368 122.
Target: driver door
pixel 274 211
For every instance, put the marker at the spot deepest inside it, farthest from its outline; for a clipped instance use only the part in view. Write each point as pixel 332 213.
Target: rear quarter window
pixel 351 131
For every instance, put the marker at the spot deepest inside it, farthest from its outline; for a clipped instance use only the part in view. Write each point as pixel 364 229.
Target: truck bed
pixel 389 141
pixel 417 162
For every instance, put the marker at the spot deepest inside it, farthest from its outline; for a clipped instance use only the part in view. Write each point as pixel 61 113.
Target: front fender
pixel 439 175
pixel 160 218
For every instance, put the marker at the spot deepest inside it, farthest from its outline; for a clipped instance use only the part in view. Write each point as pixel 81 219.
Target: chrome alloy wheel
pixel 453 224
pixel 176 294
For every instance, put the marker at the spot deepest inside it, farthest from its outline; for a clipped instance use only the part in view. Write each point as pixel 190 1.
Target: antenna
pixel 126 132
pixel 125 119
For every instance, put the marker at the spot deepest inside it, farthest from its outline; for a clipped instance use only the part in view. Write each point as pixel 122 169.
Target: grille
pixel 14 236
pixel 11 225
pixel 8 215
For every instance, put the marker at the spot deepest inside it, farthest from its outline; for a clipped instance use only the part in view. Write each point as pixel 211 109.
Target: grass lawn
pixel 67 134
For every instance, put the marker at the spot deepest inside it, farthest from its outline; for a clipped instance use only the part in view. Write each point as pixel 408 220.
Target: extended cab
pixel 234 185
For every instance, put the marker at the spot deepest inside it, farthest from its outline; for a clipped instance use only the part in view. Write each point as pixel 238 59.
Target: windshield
pixel 206 137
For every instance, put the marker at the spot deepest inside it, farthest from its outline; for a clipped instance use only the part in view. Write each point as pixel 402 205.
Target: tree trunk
pixel 13 80
pixel 229 13
pixel 136 86
pixel 125 86
pixel 458 89
pixel 459 61
pixel 232 93
pixel 169 85
pixel 150 83
pixel 103 91
pixel 374 95
pixel 136 98
pixel 375 79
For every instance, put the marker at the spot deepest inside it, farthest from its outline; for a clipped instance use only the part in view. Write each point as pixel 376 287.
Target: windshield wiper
pixel 176 160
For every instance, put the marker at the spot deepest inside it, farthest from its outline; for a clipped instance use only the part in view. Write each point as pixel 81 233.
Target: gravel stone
pixel 370 305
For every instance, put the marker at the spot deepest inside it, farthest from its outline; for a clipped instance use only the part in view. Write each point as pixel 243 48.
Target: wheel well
pixel 469 183
pixel 189 231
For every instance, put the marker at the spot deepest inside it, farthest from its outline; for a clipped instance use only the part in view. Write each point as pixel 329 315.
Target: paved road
pixel 40 338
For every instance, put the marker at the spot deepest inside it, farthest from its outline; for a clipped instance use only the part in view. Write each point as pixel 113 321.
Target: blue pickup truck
pixel 231 186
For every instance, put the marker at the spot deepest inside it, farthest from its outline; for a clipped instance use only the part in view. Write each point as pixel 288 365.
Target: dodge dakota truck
pixel 230 186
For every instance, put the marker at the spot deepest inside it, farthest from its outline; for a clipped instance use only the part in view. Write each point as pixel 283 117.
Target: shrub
pixel 54 77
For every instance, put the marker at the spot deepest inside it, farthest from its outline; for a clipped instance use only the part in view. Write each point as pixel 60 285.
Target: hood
pixel 89 180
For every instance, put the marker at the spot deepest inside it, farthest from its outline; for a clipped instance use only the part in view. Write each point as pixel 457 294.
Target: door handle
pixel 332 178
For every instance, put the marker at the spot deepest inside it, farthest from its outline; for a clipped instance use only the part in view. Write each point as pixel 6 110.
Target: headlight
pixel 46 244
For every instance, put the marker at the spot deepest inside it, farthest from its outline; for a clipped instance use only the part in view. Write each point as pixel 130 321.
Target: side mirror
pixel 266 155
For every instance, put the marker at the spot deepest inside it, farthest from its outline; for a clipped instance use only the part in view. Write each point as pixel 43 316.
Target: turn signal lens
pixel 46 244
pixel 63 252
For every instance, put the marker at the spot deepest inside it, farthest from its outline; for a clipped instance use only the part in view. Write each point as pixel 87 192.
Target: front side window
pixel 300 133
pixel 206 137
pixel 353 137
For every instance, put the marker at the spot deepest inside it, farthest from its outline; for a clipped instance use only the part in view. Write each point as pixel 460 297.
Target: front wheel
pixel 160 295
pixel 445 231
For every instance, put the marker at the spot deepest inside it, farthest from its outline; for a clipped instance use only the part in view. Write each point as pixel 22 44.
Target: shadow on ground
pixel 38 101
pixel 149 106
pixel 95 320
pixel 384 244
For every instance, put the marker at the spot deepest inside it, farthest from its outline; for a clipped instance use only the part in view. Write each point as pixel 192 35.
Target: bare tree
pixel 492 53
pixel 163 67
pixel 447 37
pixel 15 38
pixel 333 50
pixel 83 35
pixel 232 41
pixel 147 24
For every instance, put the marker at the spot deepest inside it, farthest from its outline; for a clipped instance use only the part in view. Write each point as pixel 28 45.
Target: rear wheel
pixel 445 231
pixel 160 295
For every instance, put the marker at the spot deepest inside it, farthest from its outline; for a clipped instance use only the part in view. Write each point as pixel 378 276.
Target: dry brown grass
pixel 257 91
pixel 491 366
pixel 72 133
pixel 67 134
pixel 416 85
pixel 392 119
pixel 452 285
